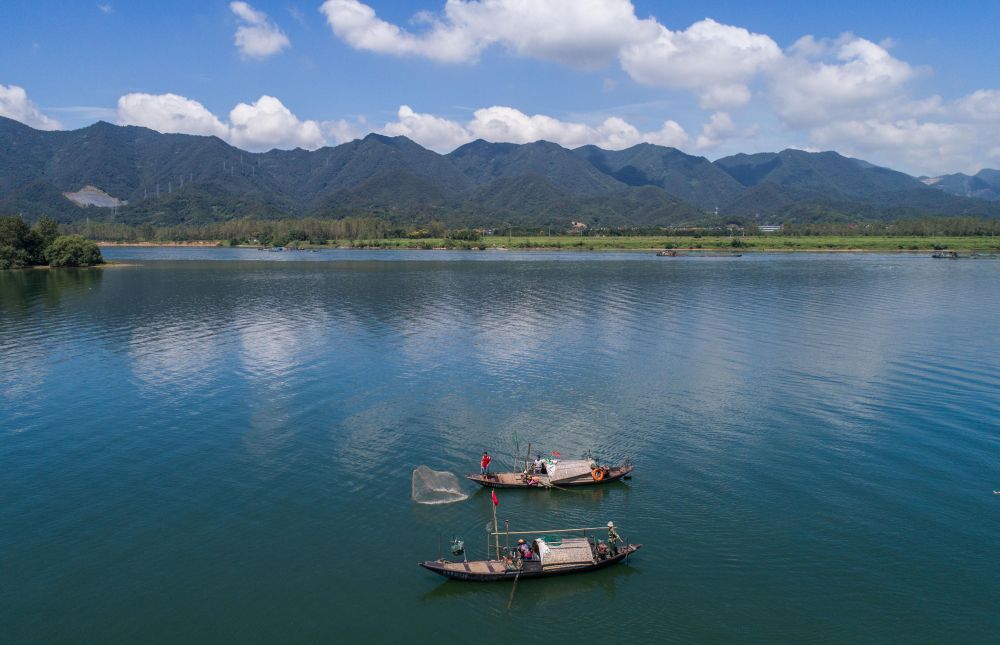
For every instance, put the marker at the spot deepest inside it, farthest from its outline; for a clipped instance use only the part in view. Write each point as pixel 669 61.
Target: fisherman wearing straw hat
pixel 613 538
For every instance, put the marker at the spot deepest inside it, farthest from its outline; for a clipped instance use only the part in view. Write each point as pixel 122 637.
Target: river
pixel 216 445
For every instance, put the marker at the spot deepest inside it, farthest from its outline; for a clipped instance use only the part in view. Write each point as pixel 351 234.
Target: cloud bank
pixel 848 92
pixel 261 125
pixel 507 124
pixel 267 123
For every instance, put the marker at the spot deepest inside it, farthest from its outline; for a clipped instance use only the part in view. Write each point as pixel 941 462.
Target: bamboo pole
pixel 513 589
pixel 496 529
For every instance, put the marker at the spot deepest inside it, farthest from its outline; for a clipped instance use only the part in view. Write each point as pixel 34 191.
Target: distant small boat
pixel 946 255
pixel 552 555
pixel 670 253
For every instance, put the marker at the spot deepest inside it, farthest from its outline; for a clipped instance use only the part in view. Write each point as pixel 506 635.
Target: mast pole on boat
pixel 589 528
pixel 496 530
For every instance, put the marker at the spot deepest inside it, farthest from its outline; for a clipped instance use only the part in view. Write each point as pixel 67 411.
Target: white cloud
pixel 507 124
pixel 269 124
pixel 428 130
pixel 169 113
pixel 580 33
pixel 823 80
pixel 715 61
pixel 262 125
pixel 14 104
pixel 258 37
pixel 930 147
pixel 357 24
pixel 105 8
pixel 719 127
pixel 981 105
pixel 342 130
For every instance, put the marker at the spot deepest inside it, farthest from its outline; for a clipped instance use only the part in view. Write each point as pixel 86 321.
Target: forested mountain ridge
pixel 177 178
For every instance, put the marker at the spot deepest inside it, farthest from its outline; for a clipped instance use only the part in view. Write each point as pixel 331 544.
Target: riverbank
pixel 156 244
pixel 761 243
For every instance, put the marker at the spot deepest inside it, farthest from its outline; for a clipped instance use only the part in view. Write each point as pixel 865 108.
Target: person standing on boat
pixel 524 550
pixel 613 538
pixel 484 464
pixel 538 465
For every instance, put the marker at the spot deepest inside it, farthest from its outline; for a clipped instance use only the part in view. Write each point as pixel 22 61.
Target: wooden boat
pixel 551 556
pixel 556 475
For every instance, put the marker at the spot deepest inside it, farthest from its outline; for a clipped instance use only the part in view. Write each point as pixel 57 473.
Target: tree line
pixel 321 231
pixel 915 227
pixel 23 246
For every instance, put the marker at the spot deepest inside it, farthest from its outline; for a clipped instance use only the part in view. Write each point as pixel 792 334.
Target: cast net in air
pixel 436 487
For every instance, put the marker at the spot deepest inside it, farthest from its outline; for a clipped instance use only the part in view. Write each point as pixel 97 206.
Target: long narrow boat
pixel 551 556
pixel 556 475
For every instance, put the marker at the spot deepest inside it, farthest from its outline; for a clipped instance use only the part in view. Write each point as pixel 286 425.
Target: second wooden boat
pixel 551 555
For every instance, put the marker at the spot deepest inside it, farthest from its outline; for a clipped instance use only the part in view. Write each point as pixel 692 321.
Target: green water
pixel 216 446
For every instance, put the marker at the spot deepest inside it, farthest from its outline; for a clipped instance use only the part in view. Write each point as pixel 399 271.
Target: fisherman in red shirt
pixel 484 465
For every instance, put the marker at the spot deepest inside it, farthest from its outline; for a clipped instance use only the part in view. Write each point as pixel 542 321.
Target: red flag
pixel 556 454
pixel 496 502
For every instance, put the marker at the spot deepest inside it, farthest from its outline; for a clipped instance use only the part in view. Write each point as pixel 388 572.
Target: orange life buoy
pixel 597 474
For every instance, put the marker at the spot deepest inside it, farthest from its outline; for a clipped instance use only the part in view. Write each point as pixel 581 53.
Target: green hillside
pixel 171 179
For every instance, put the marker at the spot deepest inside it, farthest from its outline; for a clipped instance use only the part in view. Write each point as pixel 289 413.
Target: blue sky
pixel 913 85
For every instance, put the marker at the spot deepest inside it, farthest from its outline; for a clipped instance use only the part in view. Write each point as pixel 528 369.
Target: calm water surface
pixel 216 445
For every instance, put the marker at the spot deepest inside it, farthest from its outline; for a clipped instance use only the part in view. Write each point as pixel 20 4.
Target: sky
pixel 911 85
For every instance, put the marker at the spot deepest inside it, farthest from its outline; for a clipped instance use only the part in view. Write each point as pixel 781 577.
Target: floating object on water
pixel 551 555
pixel 436 487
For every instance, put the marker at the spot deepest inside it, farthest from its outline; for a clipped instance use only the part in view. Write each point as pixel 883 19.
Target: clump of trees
pixel 23 246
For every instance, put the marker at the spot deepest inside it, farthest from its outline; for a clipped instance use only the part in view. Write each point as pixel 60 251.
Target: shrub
pixel 11 258
pixel 73 251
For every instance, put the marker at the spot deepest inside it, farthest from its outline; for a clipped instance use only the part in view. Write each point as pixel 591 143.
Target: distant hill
pixel 693 179
pixel 832 185
pixel 983 185
pixel 176 178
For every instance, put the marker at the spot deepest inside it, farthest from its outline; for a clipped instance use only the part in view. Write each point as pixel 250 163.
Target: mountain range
pixel 177 178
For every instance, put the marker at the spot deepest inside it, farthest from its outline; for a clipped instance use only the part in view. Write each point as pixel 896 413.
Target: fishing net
pixel 436 487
